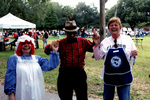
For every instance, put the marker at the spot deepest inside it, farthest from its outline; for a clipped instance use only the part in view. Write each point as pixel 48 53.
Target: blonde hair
pixel 114 19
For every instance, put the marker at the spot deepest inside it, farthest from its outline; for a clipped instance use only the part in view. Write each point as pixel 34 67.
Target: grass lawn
pixel 140 88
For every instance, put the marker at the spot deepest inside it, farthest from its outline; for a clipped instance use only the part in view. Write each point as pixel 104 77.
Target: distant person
pixel 58 35
pixel 83 35
pixel 19 34
pixel 45 38
pixel 117 51
pixel 6 34
pixel 36 37
pixel 55 33
pixel 24 78
pixel 30 33
pixel 14 41
pixel 1 35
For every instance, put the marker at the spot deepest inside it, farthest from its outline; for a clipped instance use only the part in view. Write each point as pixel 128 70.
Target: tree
pixel 12 6
pixel 110 13
pixel 102 19
pixel 32 11
pixel 42 1
pixel 36 13
pixel 85 15
pixel 61 14
pixel 51 19
pixel 68 12
pixel 133 12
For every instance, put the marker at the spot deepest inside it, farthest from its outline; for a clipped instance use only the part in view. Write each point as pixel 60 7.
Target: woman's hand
pixel 12 96
pixel 134 52
pixel 55 46
pixel 96 39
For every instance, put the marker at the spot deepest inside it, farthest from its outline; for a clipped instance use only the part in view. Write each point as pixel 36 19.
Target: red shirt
pixel 72 52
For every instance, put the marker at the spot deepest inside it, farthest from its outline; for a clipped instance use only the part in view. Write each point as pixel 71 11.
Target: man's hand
pixel 55 46
pixel 96 39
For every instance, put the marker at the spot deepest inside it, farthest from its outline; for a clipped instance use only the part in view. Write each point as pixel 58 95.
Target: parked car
pixel 62 33
pixel 145 32
pixel 89 33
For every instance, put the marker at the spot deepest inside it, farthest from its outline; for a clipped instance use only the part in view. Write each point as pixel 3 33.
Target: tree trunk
pixel 102 20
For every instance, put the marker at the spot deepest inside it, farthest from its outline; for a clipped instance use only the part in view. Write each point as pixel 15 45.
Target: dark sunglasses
pixel 26 43
pixel 70 33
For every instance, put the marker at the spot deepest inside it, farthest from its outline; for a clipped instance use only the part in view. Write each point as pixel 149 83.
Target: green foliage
pixel 43 1
pixel 13 6
pixel 132 12
pixel 60 14
pixel 68 12
pixel 51 20
pixel 86 16
pixel 50 15
pixel 110 13
pixel 32 11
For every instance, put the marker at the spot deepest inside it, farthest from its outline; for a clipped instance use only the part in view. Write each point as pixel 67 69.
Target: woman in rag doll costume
pixel 24 78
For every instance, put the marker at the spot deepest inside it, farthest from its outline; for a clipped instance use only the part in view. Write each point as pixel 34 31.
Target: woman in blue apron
pixel 117 50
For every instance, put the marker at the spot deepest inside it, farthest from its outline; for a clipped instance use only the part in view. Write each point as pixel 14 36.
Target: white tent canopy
pixel 10 21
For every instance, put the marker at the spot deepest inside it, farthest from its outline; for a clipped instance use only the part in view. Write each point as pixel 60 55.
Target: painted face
pixel 26 47
pixel 114 29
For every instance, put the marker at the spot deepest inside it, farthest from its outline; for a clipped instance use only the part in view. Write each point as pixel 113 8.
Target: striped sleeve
pixel 97 53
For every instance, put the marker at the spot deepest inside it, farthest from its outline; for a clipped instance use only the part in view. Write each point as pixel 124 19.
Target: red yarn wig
pixel 19 52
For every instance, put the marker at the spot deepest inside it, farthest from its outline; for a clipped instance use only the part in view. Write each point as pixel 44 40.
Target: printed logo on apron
pixel 116 61
pixel 117 71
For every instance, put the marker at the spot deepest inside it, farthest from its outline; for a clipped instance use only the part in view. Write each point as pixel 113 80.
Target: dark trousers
pixel 12 44
pixel 36 44
pixel 72 79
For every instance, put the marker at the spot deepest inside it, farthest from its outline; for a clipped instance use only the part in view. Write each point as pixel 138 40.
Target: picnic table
pixel 138 42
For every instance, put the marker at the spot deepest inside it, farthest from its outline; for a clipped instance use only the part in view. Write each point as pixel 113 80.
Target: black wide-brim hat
pixel 70 26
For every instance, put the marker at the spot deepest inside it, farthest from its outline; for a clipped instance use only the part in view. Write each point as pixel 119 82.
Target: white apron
pixel 30 81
